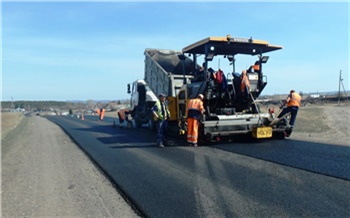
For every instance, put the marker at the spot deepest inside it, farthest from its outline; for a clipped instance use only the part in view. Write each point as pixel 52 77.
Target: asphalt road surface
pixel 243 178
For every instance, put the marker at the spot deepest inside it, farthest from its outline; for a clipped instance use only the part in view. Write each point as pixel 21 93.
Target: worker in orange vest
pixel 195 109
pixel 293 103
pixel 255 67
pixel 245 85
pixel 244 81
pixel 101 112
pixel 122 115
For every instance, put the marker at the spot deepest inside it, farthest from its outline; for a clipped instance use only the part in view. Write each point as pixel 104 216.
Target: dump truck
pixel 230 108
pixel 164 73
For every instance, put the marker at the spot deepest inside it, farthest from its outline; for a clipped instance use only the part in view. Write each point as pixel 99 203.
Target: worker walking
pixel 101 113
pixel 161 113
pixel 293 103
pixel 195 109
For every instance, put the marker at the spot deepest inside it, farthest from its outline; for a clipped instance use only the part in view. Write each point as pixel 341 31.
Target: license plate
pixel 262 132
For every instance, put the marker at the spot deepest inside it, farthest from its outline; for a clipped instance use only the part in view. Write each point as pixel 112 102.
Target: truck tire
pixel 203 139
pixel 138 122
pixel 129 124
pixel 278 135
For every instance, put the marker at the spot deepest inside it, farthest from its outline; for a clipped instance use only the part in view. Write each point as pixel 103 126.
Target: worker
pixel 200 74
pixel 195 109
pixel 255 67
pixel 244 81
pixel 293 103
pixel 162 114
pixel 245 85
pixel 122 115
pixel 101 113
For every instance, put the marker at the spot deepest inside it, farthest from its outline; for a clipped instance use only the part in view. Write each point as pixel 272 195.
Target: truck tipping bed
pixel 164 71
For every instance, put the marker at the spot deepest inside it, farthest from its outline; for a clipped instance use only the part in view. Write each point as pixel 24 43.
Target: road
pixel 245 178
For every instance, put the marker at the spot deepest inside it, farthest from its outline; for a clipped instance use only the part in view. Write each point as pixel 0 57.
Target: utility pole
pixel 340 79
pixel 341 84
pixel 12 103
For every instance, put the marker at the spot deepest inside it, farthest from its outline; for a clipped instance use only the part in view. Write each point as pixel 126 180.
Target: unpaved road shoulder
pixel 324 124
pixel 45 174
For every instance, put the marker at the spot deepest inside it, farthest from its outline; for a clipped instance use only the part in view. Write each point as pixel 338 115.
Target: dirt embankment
pixel 328 123
pixel 44 174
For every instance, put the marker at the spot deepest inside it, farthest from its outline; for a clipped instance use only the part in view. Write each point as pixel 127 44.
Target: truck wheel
pixel 138 122
pixel 129 124
pixel 278 135
pixel 205 140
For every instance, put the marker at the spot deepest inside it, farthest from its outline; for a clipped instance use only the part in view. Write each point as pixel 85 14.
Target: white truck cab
pixel 142 99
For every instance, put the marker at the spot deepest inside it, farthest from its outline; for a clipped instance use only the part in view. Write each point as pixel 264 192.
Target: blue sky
pixel 80 51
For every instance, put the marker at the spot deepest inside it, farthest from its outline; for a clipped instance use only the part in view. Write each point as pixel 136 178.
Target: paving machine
pixel 230 109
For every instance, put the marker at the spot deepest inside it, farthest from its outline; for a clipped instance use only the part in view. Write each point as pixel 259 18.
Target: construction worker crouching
pixel 162 114
pixel 195 109
pixel 293 103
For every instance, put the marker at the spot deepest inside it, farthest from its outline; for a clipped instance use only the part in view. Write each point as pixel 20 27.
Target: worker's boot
pixel 288 131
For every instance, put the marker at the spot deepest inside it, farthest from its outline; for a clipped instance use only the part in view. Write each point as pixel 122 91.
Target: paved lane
pixel 331 160
pixel 214 181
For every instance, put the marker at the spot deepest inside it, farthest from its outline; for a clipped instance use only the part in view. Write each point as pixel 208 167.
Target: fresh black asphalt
pixel 245 178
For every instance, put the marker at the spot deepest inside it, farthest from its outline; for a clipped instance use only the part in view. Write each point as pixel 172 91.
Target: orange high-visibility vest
pixel 294 100
pixel 121 114
pixel 101 112
pixel 195 108
pixel 256 67
pixel 244 82
pixel 195 104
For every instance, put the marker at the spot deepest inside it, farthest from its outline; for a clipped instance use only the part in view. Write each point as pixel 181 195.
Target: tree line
pixel 47 105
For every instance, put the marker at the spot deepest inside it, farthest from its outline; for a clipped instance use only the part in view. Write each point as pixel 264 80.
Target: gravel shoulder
pixel 44 174
pixel 329 123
